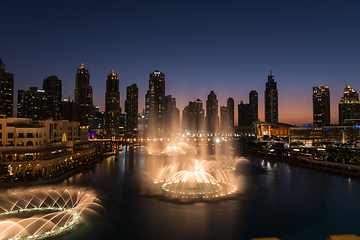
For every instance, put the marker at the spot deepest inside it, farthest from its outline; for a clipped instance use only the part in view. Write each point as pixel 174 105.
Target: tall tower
pixel 112 105
pixel 6 91
pixel 84 108
pixel 172 116
pixel 131 109
pixel 230 109
pixel 321 106
pixel 212 114
pixel 156 103
pixel 193 117
pixel 20 104
pixel 349 106
pixel 53 90
pixel 244 114
pixel 271 100
pixel 34 104
pixel 253 101
pixel 224 119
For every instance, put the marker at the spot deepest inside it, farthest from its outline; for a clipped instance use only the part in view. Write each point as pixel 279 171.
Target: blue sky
pixel 225 46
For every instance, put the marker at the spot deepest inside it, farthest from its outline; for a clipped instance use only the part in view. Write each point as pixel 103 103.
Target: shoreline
pixel 333 167
pixel 53 180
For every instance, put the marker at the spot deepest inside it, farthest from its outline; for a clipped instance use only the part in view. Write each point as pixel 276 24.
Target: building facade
pixel 34 104
pixel 254 105
pixel 321 106
pixel 271 100
pixel 212 114
pixel 193 120
pixel 6 91
pixel 53 90
pixel 131 109
pixel 156 102
pixel 84 108
pixel 349 106
pixel 230 110
pixel 172 117
pixel 112 105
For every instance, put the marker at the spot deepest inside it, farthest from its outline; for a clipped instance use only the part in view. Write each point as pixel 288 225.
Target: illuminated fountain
pixel 43 212
pixel 173 149
pixel 197 184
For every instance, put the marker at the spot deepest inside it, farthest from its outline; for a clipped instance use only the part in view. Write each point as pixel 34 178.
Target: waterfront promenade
pixel 58 178
pixel 335 167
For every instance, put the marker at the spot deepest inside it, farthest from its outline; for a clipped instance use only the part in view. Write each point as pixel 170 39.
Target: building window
pixel 0 126
pixel 0 135
pixel 29 135
pixel 21 135
pixel 29 143
pixel 10 135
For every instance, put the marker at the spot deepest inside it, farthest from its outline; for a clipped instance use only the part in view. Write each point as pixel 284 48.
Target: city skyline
pixel 228 48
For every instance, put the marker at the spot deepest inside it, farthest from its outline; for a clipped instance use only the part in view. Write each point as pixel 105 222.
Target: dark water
pixel 283 201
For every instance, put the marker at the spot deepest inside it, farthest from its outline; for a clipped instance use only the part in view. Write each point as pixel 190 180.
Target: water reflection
pixel 276 199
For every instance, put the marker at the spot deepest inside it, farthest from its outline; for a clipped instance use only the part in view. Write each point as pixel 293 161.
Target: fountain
pixel 43 212
pixel 197 184
pixel 173 149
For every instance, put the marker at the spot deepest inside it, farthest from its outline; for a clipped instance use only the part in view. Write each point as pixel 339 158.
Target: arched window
pixel 29 143
pixel 21 143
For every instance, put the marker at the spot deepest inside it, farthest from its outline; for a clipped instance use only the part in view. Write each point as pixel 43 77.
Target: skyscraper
pixel 224 119
pixel 253 101
pixel 193 117
pixel 53 90
pixel 156 102
pixel 230 109
pixel 131 109
pixel 112 105
pixel 271 100
pixel 34 104
pixel 321 106
pixel 68 109
pixel 171 116
pixel 244 114
pixel 84 108
pixel 212 114
pixel 6 91
pixel 349 106
pixel 20 104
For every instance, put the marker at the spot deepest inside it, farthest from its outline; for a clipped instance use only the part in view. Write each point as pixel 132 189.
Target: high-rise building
pixel 224 119
pixel 244 114
pixel 6 91
pixel 131 109
pixel 112 105
pixel 193 117
pixel 68 110
pixel 349 106
pixel 53 89
pixel 230 109
pixel 171 116
pixel 248 112
pixel 34 104
pixel 84 108
pixel 20 104
pixel 271 100
pixel 321 106
pixel 253 101
pixel 212 114
pixel 156 102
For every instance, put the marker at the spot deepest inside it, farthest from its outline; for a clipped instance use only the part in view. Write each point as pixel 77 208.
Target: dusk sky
pixel 225 46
